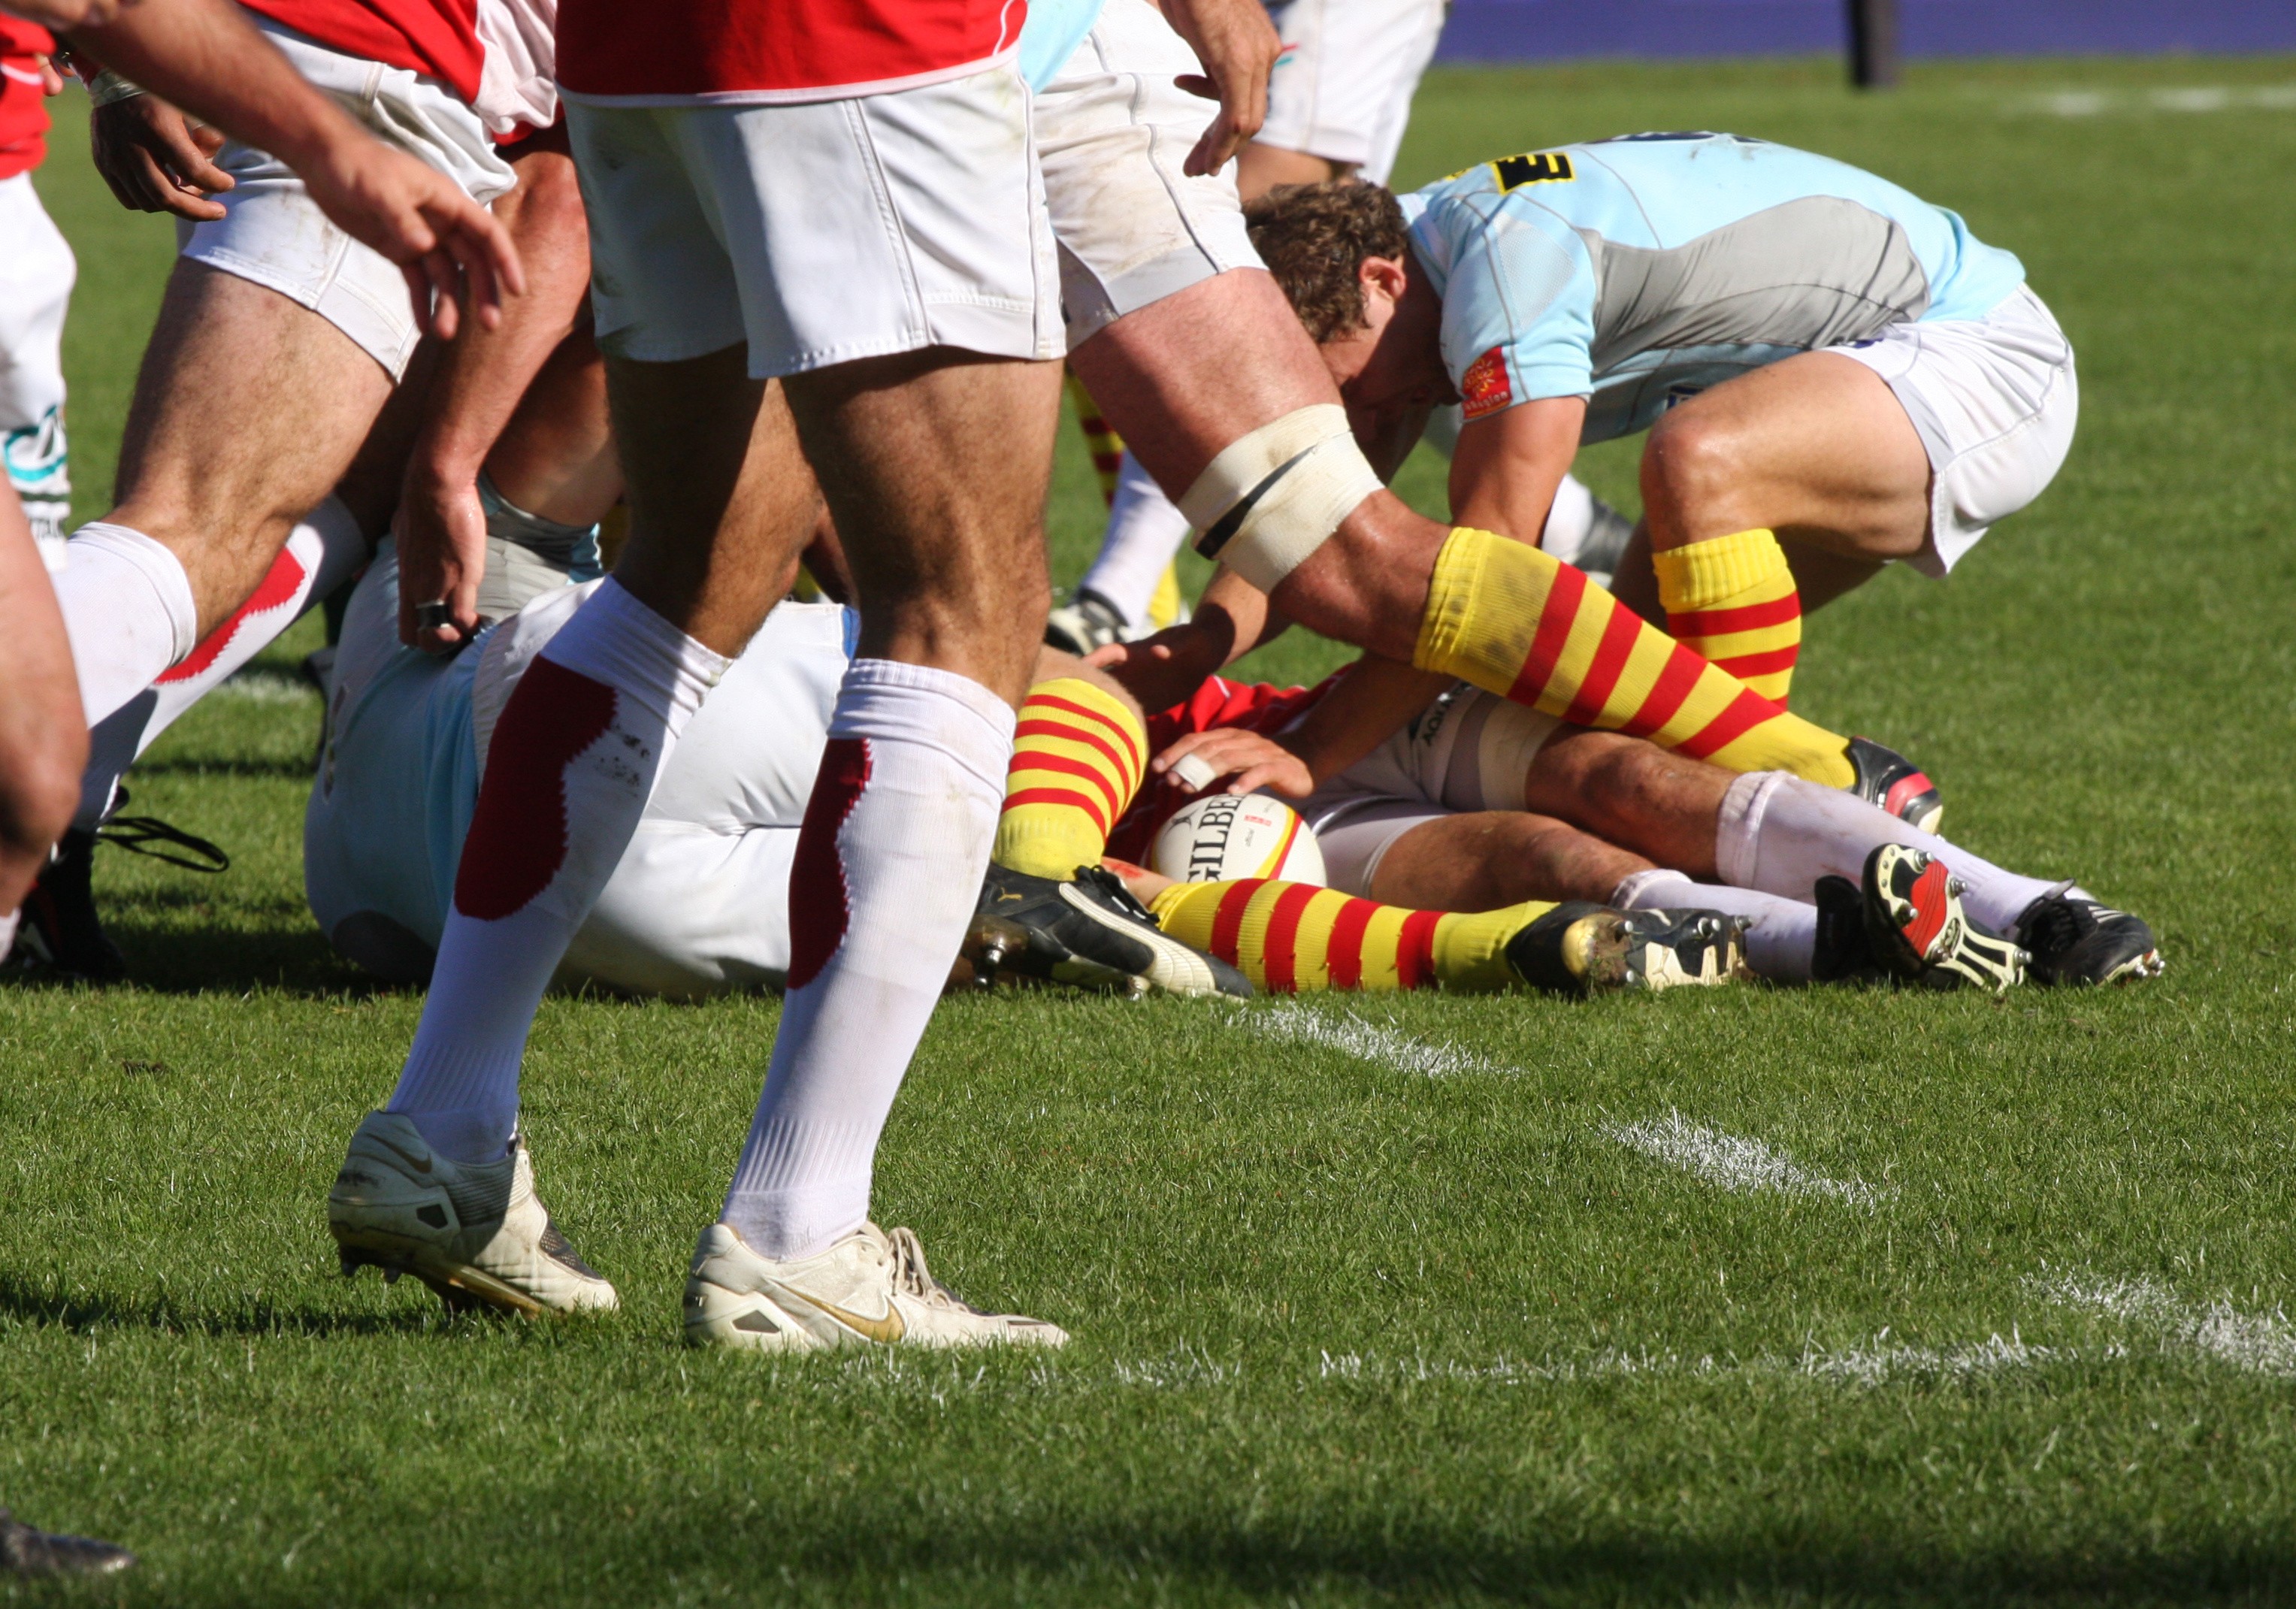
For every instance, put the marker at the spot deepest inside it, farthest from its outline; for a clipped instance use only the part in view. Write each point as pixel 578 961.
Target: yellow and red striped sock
pixel 1106 447
pixel 1077 756
pixel 1293 938
pixel 1733 599
pixel 1512 620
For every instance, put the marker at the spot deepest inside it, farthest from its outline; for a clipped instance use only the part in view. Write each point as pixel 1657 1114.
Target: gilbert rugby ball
pixel 1229 836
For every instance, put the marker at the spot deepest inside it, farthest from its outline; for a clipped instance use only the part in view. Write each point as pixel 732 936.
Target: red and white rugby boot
pixel 1919 933
pixel 1887 778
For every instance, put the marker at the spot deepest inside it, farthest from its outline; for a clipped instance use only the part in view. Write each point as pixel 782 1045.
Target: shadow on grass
pixel 189 957
pixel 36 1301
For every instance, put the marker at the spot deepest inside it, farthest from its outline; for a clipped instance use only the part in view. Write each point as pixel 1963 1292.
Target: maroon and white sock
pixel 888 866
pixel 129 610
pixel 574 757
pixel 1780 834
pixel 325 550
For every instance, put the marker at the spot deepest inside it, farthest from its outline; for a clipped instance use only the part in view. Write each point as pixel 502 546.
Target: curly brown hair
pixel 1314 238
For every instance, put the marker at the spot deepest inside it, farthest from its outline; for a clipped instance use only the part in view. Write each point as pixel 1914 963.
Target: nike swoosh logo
pixel 888 1328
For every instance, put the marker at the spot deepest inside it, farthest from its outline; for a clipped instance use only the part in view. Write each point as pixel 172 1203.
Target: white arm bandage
pixel 1273 496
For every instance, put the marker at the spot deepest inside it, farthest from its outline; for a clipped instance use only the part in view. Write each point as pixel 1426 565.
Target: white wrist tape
pixel 1273 496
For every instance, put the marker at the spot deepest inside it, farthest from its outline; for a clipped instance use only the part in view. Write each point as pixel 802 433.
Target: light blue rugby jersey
pixel 1051 35
pixel 1638 271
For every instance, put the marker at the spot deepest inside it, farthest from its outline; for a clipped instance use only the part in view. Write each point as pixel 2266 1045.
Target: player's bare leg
pixel 247 411
pixel 1816 448
pixel 43 739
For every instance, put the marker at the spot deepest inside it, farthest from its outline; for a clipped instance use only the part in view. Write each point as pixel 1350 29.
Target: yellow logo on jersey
pixel 1536 167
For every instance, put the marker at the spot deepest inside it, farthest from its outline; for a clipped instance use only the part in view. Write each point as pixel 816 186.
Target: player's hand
pixel 449 247
pixel 1238 46
pixel 1240 762
pixel 51 82
pixel 441 534
pixel 156 160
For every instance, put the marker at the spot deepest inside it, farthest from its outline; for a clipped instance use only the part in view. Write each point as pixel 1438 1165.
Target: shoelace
pixel 911 1275
pixel 136 834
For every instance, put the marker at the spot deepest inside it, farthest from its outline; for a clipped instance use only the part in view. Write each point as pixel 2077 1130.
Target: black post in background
pixel 1874 59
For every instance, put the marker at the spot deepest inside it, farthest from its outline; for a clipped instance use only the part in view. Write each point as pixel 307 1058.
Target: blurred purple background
pixel 1531 30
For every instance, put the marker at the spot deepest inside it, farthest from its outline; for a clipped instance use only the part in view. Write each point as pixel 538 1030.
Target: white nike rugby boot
pixel 869 1287
pixel 473 1232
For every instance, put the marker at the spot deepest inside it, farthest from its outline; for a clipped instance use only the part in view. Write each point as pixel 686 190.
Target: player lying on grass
pixel 1835 375
pixel 1469 802
pixel 699 902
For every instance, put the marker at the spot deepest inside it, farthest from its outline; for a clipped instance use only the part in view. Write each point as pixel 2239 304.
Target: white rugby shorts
pixel 1112 130
pixel 1343 88
pixel 1468 751
pixel 274 235
pixel 37 271
pixel 1995 400
pixel 822 232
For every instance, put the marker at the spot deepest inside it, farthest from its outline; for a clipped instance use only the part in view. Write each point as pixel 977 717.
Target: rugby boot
pixel 61 935
pixel 1843 953
pixel 1919 931
pixel 1887 778
pixel 30 1552
pixel 2074 940
pixel 1088 932
pixel 474 1233
pixel 869 1287
pixel 1580 947
pixel 1085 622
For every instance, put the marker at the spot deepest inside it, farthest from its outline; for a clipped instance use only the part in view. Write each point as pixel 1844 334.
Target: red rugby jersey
pixel 23 108
pixel 438 38
pixel 1219 703
pixel 672 53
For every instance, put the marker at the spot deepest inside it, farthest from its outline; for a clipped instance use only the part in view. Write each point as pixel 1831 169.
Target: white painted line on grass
pixel 2192 98
pixel 2258 1343
pixel 264 687
pixel 1350 1034
pixel 1734 1162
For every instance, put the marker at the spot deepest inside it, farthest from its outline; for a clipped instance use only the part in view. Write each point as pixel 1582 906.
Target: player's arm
pixel 1363 709
pixel 441 529
pixel 1230 619
pixel 206 58
pixel 1508 464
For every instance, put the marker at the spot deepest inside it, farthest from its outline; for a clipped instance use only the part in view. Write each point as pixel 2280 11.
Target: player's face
pixel 1391 371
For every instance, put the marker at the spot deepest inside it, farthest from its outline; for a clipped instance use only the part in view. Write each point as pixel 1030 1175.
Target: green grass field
pixel 1403 1301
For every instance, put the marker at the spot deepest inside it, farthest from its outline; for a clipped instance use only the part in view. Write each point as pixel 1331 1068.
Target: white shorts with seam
pixel 1112 131
pixel 1468 751
pixel 1995 400
pixel 820 233
pixel 37 271
pixel 1343 88
pixel 272 233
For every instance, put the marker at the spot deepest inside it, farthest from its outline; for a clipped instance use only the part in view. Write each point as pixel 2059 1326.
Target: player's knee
pixel 1692 459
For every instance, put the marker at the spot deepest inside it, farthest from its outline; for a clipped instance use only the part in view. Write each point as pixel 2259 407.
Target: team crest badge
pixel 1485 387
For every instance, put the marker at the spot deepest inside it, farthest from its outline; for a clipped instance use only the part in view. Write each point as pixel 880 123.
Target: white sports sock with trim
pixel 1780 936
pixel 889 867
pixel 322 551
pixel 128 610
pixel 1144 531
pixel 572 762
pixel 1780 834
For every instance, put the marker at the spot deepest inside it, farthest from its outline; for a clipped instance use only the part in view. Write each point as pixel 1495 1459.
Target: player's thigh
pixel 1816 446
pixel 248 409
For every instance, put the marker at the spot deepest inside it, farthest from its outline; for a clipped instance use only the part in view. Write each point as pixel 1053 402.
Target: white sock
pixel 1782 934
pixel 1144 531
pixel 1780 834
pixel 888 868
pixel 573 761
pixel 1569 520
pixel 322 553
pixel 129 609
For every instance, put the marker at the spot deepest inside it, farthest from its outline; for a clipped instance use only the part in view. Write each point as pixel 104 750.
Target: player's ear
pixel 1380 277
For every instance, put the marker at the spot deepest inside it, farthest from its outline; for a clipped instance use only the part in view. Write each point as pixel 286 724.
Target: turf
pixel 1765 1297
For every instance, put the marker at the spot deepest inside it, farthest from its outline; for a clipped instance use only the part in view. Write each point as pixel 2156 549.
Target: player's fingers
pixel 187 158
pixel 1197 85
pixel 482 283
pixel 1108 656
pixel 446 311
pixel 1212 150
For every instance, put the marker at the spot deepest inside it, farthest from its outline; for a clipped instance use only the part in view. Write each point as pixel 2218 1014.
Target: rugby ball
pixel 1229 836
